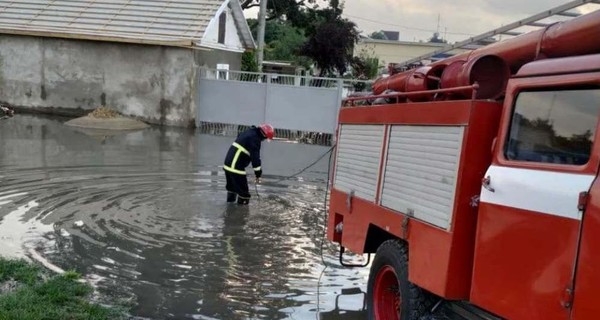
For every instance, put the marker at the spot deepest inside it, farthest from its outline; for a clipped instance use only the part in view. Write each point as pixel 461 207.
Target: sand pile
pixel 107 119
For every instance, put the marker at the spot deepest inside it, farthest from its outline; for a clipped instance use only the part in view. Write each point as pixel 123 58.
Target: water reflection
pixel 142 215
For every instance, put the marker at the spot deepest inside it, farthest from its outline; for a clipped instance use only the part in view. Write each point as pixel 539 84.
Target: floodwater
pixel 142 216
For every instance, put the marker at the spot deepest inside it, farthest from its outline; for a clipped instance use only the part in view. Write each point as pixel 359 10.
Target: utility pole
pixel 262 19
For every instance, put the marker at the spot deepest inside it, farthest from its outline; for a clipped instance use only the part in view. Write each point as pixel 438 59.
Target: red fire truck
pixel 473 181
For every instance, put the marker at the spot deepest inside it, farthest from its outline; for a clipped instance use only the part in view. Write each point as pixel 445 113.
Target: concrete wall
pixel 154 83
pixel 210 59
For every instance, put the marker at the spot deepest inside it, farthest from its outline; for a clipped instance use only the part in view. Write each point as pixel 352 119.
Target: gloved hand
pixel 258 174
pixel 258 180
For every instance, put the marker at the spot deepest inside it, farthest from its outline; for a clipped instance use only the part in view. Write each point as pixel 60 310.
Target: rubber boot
pixel 243 201
pixel 231 197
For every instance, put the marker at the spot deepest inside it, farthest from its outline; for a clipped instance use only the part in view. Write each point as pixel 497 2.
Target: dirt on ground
pixel 106 118
pixel 104 113
pixel 8 286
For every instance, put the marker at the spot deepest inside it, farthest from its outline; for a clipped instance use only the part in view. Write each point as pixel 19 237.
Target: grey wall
pixel 284 106
pixel 210 59
pixel 154 83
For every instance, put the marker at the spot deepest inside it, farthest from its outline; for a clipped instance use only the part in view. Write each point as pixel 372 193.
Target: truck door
pixel 529 222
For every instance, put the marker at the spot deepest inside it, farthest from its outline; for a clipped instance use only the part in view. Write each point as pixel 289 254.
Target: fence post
pixel 267 96
pixel 340 96
pixel 340 91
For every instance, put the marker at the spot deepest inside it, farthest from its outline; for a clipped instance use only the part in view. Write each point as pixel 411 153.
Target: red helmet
pixel 267 130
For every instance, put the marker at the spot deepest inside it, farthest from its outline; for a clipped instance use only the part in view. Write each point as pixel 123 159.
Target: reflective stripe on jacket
pixel 244 150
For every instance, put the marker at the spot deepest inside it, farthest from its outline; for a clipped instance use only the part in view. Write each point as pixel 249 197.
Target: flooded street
pixel 142 216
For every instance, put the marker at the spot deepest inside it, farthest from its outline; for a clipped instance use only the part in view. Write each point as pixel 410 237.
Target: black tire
pixel 415 302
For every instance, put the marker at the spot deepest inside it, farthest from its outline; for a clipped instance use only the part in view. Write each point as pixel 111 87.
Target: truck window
pixel 555 126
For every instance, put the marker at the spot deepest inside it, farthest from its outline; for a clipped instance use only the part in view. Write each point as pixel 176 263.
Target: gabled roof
pixel 163 22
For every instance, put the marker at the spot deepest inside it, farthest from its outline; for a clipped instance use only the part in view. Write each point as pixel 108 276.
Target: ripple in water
pixel 150 227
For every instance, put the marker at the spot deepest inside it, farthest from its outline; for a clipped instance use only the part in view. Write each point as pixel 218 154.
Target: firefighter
pixel 243 151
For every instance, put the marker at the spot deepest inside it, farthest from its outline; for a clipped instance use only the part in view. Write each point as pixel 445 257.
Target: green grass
pixel 19 271
pixel 58 297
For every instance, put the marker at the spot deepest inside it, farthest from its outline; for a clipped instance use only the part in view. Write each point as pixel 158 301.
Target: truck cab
pixel 536 225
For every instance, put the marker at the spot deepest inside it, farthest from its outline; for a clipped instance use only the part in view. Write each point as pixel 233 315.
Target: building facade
pixel 391 51
pixel 138 57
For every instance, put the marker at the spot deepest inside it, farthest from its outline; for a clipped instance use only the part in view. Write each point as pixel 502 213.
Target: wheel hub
pixel 387 301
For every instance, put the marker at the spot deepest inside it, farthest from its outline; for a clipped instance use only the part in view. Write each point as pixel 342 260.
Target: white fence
pixel 348 85
pixel 308 104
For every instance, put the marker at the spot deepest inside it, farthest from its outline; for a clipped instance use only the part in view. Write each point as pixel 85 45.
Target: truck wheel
pixel 390 296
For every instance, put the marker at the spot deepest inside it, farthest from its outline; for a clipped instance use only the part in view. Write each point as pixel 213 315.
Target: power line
pixel 406 27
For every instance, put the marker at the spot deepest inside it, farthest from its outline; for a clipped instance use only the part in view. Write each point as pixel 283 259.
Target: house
pixel 392 51
pixel 139 57
pixel 282 67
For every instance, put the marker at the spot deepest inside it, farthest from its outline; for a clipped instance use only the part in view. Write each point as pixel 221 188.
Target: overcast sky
pixel 458 18
pixel 418 19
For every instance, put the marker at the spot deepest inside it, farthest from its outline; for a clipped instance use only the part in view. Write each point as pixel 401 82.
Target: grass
pixel 40 297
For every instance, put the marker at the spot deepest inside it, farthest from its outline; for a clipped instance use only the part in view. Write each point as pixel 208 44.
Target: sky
pixel 458 19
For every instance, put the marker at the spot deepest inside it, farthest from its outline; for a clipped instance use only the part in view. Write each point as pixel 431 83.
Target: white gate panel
pixel 421 171
pixel 358 159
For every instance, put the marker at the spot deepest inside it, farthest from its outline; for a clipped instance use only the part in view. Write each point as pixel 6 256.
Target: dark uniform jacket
pixel 244 150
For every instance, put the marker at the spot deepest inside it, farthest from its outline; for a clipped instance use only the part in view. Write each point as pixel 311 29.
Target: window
pixel 222 71
pixel 554 126
pixel 222 24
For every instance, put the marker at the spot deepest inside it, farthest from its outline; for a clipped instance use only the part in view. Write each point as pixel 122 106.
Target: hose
pixel 329 151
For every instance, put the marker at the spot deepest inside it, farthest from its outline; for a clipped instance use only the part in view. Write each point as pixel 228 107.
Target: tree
pixel 331 38
pixel 249 63
pixel 331 45
pixel 282 41
pixel 303 28
pixel 379 35
pixel 365 65
pixel 291 10
pixel 287 45
pixel 436 38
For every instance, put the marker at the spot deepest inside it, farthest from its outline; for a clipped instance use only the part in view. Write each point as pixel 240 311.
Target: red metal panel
pixel 428 264
pixel 429 258
pixel 579 64
pixel 434 113
pixel 523 262
pixel 440 261
pixel 357 220
pixel 585 304
pixel 476 158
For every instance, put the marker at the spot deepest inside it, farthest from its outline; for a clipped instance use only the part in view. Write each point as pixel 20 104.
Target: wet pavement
pixel 142 216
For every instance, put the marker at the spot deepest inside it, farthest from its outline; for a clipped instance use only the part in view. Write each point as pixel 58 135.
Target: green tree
pixel 365 67
pixel 249 63
pixel 303 28
pixel 282 41
pixel 290 10
pixel 436 38
pixel 331 39
pixel 331 45
pixel 379 35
